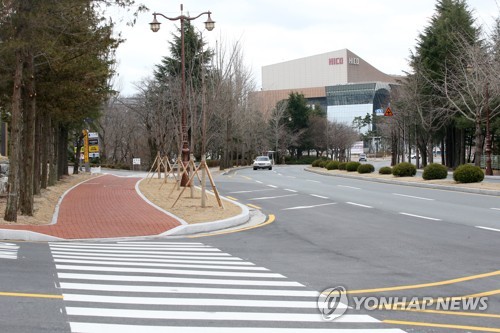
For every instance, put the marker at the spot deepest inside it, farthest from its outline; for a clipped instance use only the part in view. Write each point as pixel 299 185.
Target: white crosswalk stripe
pixel 8 250
pixel 186 287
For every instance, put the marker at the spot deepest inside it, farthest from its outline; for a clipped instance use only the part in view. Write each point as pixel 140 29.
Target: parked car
pixel 262 162
pixel 362 158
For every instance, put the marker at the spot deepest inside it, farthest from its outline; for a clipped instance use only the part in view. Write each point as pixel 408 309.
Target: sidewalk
pixel 108 207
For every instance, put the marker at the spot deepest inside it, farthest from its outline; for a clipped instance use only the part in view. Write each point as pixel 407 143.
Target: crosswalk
pixel 185 287
pixel 8 250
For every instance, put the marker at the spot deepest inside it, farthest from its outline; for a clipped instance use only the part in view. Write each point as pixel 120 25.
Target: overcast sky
pixel 382 32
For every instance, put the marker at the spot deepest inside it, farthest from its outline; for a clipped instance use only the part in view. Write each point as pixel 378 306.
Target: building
pixel 340 81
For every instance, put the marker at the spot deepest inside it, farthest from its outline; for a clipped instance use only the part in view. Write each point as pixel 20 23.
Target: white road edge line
pixel 273 186
pixel 412 196
pixel 486 228
pixel 289 190
pixel 357 204
pixel 314 181
pixel 421 217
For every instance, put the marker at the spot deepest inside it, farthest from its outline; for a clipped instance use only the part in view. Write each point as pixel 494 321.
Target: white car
pixel 262 162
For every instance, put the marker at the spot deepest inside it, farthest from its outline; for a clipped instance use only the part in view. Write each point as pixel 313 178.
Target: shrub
pixel 385 170
pixel 404 169
pixel 352 166
pixel 303 160
pixel 322 163
pixel 366 168
pixel 435 171
pixel 316 163
pixel 332 165
pixel 467 173
pixel 342 165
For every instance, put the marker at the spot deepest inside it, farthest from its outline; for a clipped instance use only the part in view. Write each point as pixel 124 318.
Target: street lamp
pixel 155 26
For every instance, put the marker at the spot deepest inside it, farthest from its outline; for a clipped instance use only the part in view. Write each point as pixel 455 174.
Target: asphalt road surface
pixel 375 240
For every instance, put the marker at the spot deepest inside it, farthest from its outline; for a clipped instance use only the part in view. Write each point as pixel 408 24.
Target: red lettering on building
pixel 335 61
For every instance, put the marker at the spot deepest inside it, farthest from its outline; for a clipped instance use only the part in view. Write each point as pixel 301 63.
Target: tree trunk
pixel 44 153
pixel 15 140
pixel 38 149
pixel 479 144
pixel 26 202
pixel 52 156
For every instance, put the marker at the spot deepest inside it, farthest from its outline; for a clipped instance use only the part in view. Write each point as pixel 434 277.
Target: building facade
pixel 340 81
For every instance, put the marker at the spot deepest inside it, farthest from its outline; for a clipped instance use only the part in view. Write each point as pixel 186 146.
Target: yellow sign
pixel 93 149
pixel 388 112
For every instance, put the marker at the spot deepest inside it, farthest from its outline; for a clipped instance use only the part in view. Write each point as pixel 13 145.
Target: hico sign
pixel 340 61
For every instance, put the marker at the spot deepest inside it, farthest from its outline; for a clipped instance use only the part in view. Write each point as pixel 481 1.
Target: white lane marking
pixel 495 208
pixel 121 328
pixel 293 177
pixel 289 190
pixel 105 246
pixel 146 252
pixel 134 259
pixel 279 174
pixel 166 271
pixel 486 228
pixel 351 187
pixel 273 186
pixel 8 250
pixel 314 181
pixel 276 197
pixel 258 181
pixel 203 315
pixel 319 196
pixel 189 301
pixel 307 207
pixel 189 290
pixel 250 191
pixel 154 264
pixel 182 280
pixel 144 244
pixel 119 254
pixel 357 204
pixel 420 216
pixel 412 196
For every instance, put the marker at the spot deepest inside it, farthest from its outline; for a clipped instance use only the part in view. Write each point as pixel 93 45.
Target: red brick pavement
pixel 105 207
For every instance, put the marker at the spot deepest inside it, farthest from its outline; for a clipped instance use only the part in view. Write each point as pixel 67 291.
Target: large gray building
pixel 340 81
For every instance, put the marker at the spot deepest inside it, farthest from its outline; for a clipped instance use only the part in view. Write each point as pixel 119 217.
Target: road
pixel 373 239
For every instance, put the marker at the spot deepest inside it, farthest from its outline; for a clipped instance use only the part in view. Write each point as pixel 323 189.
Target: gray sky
pixel 382 32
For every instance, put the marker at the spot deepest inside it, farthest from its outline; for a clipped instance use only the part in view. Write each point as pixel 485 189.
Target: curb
pixel 412 184
pixel 204 227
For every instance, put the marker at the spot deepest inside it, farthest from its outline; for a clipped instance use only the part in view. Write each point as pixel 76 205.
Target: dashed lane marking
pixel 412 196
pixel 420 216
pixel 486 228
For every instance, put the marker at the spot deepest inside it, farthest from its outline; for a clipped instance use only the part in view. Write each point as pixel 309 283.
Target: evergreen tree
pixel 435 57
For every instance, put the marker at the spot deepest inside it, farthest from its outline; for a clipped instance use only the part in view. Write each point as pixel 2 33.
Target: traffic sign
pixel 388 112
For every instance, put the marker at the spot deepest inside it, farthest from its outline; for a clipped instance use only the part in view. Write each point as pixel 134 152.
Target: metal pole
pixel 185 144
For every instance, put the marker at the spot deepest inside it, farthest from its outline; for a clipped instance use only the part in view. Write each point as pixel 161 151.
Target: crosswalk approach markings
pixel 8 250
pixel 186 287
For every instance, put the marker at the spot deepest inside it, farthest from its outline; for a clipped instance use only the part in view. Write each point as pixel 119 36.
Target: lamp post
pixel 155 26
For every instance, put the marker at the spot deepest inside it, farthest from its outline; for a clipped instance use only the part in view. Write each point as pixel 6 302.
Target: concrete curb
pixel 413 184
pixel 205 227
pixel 26 235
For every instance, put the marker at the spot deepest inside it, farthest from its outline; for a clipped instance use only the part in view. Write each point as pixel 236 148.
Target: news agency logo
pixel 332 303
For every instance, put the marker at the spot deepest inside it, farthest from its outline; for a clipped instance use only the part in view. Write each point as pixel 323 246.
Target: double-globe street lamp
pixel 155 26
